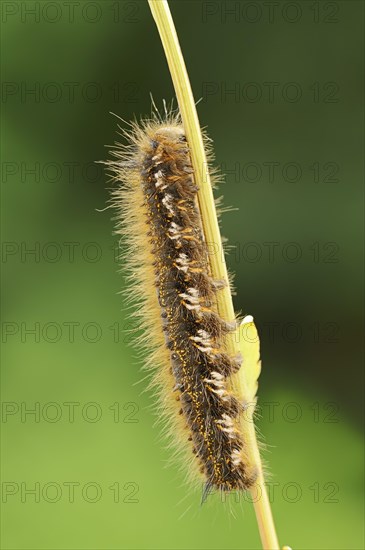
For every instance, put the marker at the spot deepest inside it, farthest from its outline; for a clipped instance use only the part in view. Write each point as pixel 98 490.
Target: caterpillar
pixel 167 258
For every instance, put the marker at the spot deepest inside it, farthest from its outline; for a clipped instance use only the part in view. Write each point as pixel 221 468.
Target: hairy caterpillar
pixel 168 260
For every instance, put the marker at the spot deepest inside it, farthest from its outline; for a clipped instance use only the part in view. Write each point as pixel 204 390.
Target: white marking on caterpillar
pixel 191 296
pixel 174 231
pixel 166 201
pixel 182 262
pixel 160 182
pixel 227 425
pixel 222 393
pixel 205 349
pixel 236 457
pixel 156 157
pixel 203 337
pixel 217 383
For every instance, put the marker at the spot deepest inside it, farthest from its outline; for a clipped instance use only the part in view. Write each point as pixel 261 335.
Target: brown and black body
pixel 172 263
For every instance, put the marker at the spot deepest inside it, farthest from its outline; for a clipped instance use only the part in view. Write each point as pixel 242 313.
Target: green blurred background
pixel 282 90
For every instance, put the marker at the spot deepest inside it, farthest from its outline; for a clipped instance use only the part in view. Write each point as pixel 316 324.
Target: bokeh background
pixel 282 98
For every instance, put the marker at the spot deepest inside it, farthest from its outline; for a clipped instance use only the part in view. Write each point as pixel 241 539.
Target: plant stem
pixel 162 15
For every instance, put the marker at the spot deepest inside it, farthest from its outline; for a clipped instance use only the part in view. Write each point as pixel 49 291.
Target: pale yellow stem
pixel 162 15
